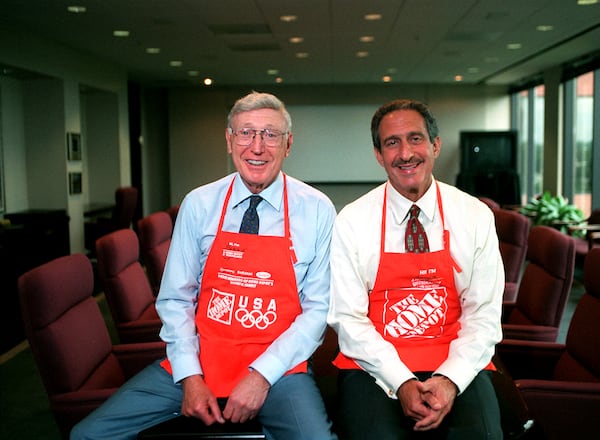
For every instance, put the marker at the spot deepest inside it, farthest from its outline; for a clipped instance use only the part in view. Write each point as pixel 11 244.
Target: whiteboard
pixel 333 144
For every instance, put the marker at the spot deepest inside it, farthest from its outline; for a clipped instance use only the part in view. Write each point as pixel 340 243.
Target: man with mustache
pixel 417 314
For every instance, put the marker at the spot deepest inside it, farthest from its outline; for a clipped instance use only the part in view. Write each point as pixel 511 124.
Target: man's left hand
pixel 247 398
pixel 438 392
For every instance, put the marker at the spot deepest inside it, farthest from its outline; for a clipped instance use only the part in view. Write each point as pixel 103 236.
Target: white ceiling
pixel 236 42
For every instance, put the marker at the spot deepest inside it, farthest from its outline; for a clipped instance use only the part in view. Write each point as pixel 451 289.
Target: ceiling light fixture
pixel 362 54
pixel 208 81
pixel 120 33
pixel 153 50
pixel 288 18
pixel 302 55
pixel 273 72
pixel 175 63
pixel 513 46
pixel 279 80
pixel 544 27
pixel 373 17
pixel 76 9
pixel 386 79
pixel 296 40
pixel 367 39
pixel 586 2
pixel 458 78
pixel 193 73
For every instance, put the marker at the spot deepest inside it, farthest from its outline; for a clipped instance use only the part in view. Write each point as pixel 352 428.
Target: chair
pixel 154 232
pixel 492 204
pixel 544 287
pixel 67 334
pixel 513 231
pixel 173 211
pixel 126 286
pixel 121 218
pixel 592 235
pixel 561 382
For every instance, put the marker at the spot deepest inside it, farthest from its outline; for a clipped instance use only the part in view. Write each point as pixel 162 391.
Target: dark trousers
pixel 367 413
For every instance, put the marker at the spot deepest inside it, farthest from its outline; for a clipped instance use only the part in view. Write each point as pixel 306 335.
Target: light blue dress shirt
pixel 311 216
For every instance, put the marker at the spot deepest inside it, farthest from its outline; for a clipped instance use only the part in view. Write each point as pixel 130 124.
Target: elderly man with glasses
pixel 243 299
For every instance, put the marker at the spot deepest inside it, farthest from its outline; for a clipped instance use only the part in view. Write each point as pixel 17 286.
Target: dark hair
pixel 403 104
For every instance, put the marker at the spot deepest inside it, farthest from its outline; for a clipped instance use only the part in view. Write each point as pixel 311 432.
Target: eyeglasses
pixel 245 136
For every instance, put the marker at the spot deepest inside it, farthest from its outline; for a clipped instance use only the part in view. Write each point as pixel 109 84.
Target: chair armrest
pixel 139 331
pixel 135 357
pixel 563 409
pixel 529 359
pixel 530 332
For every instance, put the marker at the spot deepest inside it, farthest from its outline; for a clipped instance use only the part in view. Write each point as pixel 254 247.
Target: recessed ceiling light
pixel 473 70
pixel 302 55
pixel 458 78
pixel 279 80
pixel 367 39
pixel 207 81
pixel 76 9
pixel 175 63
pixel 193 73
pixel 296 40
pixel 392 70
pixel 120 33
pixel 491 60
pixel 362 54
pixel 586 2
pixel 288 18
pixel 544 27
pixel 153 50
pixel 513 46
pixel 386 79
pixel 273 72
pixel 373 17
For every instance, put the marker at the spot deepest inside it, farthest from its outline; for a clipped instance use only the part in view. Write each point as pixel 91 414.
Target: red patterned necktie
pixel 415 239
pixel 250 220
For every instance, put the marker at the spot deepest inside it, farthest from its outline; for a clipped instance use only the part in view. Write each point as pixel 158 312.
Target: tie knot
pixel 414 211
pixel 254 201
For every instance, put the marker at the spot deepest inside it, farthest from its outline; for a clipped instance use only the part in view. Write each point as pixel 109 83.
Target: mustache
pixel 400 162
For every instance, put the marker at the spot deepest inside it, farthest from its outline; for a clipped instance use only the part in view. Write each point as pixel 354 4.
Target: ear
pixel 437 146
pixel 290 141
pixel 229 140
pixel 378 156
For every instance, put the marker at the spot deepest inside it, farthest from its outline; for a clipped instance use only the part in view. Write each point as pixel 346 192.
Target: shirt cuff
pixel 271 368
pixel 185 366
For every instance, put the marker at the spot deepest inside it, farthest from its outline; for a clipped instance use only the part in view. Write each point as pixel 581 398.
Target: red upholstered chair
pixel 492 204
pixel 126 286
pixel 592 235
pixel 121 218
pixel 154 232
pixel 513 232
pixel 544 287
pixel 79 366
pixel 561 382
pixel 173 211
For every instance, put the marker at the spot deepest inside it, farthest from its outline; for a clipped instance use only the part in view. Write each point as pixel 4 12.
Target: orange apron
pixel 248 297
pixel 414 303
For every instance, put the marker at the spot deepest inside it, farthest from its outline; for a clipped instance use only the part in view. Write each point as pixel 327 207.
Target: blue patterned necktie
pixel 415 239
pixel 250 220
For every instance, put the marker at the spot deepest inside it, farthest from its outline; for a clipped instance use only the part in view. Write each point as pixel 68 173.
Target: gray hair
pixel 257 101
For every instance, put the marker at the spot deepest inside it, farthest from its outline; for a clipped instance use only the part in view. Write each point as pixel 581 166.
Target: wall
pixel 331 128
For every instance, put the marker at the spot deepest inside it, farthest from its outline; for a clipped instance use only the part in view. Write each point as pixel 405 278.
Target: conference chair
pixel 154 232
pixel 560 383
pixel 173 211
pixel 67 334
pixel 513 232
pixel 591 228
pixel 121 217
pixel 544 287
pixel 126 287
pixel 492 204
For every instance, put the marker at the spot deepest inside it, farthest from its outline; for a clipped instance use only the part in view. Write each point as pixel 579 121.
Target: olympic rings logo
pixel 255 318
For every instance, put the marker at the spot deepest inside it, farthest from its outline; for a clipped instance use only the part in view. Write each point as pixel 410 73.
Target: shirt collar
pixel 400 205
pixel 273 194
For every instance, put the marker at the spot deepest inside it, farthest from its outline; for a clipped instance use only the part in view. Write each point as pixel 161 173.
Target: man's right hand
pixel 199 401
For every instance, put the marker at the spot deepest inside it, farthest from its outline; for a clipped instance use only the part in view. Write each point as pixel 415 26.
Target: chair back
pixel 154 233
pixel 173 211
pixel 126 286
pixel 492 204
pixel 546 283
pixel 513 231
pixel 580 362
pixel 65 328
pixel 125 205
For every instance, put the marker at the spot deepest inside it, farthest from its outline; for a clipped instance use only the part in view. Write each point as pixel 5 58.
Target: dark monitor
pixel 486 151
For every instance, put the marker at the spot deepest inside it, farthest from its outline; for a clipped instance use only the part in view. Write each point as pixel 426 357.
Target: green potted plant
pixel 553 211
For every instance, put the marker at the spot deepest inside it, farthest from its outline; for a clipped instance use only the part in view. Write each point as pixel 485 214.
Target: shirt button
pixel 391 393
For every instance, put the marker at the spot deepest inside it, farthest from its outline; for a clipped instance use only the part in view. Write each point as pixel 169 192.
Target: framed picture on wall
pixel 73 146
pixel 74 183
